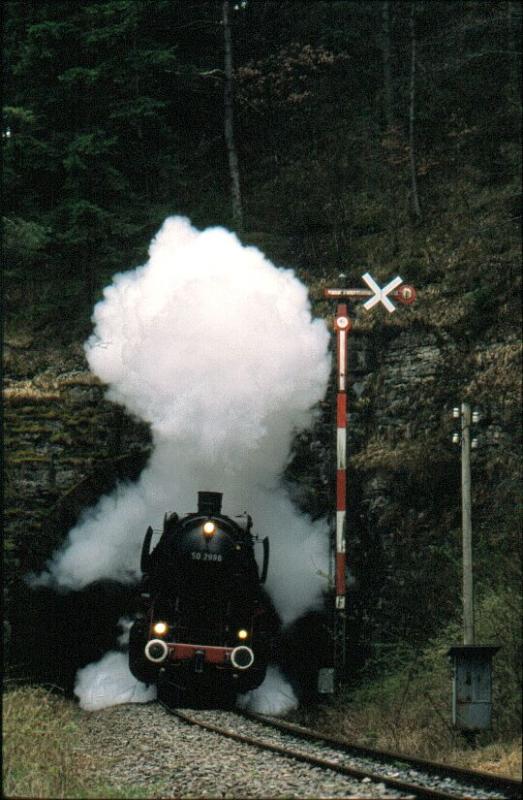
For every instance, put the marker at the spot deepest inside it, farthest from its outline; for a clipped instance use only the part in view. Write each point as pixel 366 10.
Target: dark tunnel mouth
pixel 56 633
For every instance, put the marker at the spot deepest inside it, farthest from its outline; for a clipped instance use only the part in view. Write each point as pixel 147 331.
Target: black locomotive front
pixel 208 626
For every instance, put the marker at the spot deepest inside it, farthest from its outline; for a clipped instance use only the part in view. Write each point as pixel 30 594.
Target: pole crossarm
pixel 402 292
pixel 374 294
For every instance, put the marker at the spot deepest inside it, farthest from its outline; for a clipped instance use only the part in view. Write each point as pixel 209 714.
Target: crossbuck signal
pixel 373 295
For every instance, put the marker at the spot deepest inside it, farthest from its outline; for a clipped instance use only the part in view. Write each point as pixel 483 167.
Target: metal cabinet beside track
pixel 472 686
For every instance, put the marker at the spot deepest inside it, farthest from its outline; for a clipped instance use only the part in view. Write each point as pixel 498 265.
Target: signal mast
pixel 403 293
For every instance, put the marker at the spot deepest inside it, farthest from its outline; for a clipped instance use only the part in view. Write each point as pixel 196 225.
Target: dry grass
pixel 418 729
pixel 501 758
pixel 26 392
pixel 78 378
pixel 46 388
pixel 40 732
pixel 37 731
pixel 383 454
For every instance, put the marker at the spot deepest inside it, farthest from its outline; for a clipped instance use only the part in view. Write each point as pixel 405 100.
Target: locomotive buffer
pixel 373 295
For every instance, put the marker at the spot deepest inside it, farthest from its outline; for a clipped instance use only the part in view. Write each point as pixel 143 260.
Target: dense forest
pixel 350 118
pixel 337 137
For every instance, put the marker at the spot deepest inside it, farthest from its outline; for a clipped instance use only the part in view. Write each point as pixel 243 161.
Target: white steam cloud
pixel 216 348
pixel 109 682
pixel 275 696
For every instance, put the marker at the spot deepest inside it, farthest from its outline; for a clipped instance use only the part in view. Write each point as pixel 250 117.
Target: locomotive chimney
pixel 209 503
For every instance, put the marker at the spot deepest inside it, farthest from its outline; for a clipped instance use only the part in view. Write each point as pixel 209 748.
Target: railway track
pixel 400 776
pixel 507 787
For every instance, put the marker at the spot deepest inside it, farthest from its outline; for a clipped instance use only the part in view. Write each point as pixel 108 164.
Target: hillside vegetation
pixel 371 136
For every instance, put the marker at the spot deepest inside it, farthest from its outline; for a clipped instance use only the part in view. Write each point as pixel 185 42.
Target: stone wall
pixel 64 446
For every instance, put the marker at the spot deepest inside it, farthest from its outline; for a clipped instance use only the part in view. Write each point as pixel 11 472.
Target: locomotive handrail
pixel 146 556
pixel 265 568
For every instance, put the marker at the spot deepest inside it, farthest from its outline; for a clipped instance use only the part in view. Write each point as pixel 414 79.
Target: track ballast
pixel 391 775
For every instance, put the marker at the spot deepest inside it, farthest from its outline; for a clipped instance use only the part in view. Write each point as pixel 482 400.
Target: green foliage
pixel 498 622
pixel 114 112
pixel 93 132
pixel 23 243
pixel 415 686
pixel 17 118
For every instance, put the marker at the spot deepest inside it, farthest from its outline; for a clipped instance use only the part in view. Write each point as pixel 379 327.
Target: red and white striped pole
pixel 373 295
pixel 342 326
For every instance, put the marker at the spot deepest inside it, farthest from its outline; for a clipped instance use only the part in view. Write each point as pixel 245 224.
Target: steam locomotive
pixel 207 627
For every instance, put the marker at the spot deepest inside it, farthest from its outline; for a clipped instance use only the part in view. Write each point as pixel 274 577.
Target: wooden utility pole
pixel 466 515
pixel 234 169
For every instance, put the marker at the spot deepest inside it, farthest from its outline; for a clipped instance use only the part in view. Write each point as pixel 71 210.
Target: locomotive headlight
pixel 209 529
pixel 243 634
pixel 160 628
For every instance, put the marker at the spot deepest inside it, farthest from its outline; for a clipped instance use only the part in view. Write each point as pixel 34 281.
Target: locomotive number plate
pixel 197 556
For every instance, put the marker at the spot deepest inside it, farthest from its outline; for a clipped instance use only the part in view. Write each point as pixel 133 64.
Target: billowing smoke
pixel 275 696
pixel 109 682
pixel 216 348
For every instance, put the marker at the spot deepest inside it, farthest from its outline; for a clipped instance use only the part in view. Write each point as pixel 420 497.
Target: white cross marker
pixel 380 295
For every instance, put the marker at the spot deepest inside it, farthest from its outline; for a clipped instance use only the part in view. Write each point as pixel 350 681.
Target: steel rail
pixel 502 783
pixel 410 790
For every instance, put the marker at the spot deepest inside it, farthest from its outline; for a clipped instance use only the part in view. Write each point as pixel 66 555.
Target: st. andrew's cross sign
pixel 403 293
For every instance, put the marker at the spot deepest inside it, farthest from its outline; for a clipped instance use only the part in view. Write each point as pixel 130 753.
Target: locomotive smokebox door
pixel 472 686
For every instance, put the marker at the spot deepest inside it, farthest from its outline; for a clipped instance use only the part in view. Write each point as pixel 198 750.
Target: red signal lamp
pixel 405 294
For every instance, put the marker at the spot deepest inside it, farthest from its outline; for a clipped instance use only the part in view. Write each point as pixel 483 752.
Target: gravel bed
pixel 407 773
pixel 146 748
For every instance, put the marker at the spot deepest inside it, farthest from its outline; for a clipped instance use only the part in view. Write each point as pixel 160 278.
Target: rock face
pixel 407 471
pixel 64 447
pixel 404 483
